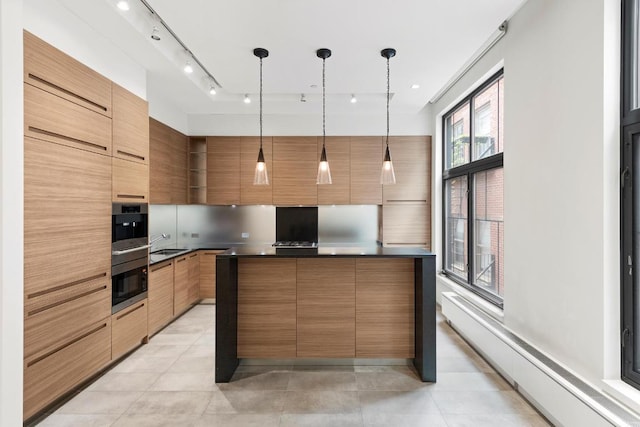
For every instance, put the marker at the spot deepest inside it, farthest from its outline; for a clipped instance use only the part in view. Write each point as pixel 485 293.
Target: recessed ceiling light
pixel 353 99
pixel 303 98
pixel 212 90
pixel 247 100
pixel 313 86
pixel 188 68
pixel 155 34
pixel 123 5
pixel 415 86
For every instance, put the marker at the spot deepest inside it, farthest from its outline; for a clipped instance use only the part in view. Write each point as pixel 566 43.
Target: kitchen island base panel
pixel 227 292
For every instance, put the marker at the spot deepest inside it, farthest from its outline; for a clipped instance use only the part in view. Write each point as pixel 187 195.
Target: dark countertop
pixel 326 251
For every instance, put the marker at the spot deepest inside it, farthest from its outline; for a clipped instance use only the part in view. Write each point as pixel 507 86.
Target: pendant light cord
pixel 260 103
pixel 388 102
pixel 323 104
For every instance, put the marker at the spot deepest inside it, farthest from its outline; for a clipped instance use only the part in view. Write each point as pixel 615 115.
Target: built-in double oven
pixel 129 254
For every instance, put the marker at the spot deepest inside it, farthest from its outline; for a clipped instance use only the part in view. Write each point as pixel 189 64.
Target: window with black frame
pixel 472 183
pixel 629 194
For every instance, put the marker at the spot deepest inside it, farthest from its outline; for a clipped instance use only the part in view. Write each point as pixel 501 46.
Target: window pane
pixel 487 121
pixel 488 239
pixel 456 226
pixel 457 137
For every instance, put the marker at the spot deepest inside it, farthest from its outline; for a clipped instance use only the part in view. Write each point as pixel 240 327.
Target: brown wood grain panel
pixel 130 181
pixel 385 318
pixel 295 169
pixel 48 378
pixel 55 316
pixel 179 168
pixel 223 170
pixel 338 155
pixel 54 71
pixel 168 164
pixel 128 329
pixel 208 273
pixel 406 224
pixel 326 307
pixel 51 118
pixel 267 308
pixel 130 124
pixel 197 170
pixel 411 156
pixel 62 184
pixel 366 164
pixel 180 285
pixel 194 277
pixel 255 194
pixel 160 296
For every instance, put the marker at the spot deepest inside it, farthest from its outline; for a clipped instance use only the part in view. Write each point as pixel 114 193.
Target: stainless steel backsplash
pixel 209 226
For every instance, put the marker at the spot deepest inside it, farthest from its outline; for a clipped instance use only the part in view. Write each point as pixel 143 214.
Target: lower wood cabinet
pixel 267 308
pixel 208 274
pixel 160 296
pixel 194 278
pixel 326 307
pixel 180 285
pixel 128 329
pixel 74 360
pixel 385 301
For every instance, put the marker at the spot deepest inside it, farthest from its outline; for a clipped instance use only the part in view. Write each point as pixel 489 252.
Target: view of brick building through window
pixel 465 144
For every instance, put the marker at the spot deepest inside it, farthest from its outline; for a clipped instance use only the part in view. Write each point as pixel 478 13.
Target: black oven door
pixel 128 283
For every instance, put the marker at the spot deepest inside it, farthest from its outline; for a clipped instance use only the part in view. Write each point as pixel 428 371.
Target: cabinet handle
pixel 129 312
pixel 406 200
pixel 193 255
pixel 66 300
pixel 62 347
pixel 130 196
pixel 66 91
pixel 66 285
pixel 183 259
pixel 161 267
pixel 126 251
pixel 135 156
pixel 67 138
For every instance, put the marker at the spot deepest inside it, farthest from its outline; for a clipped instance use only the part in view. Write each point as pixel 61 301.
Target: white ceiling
pixel 433 38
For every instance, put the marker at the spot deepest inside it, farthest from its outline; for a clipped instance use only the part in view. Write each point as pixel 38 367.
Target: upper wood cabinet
pixel 167 164
pixel 197 170
pixel 130 125
pixel 411 156
pixel 130 181
pixel 338 155
pixel 54 71
pixel 50 118
pixel 366 164
pixel 295 169
pixel 255 194
pixel 223 170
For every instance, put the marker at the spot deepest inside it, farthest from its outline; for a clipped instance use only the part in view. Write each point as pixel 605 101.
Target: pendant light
pixel 261 176
pixel 387 176
pixel 324 172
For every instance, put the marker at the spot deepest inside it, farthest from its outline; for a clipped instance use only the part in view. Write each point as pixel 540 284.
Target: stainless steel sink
pixel 168 251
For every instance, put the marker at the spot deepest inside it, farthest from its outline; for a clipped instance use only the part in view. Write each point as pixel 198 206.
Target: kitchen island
pixel 340 303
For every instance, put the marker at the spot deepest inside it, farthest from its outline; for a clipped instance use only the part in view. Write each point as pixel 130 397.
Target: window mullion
pixel 470 228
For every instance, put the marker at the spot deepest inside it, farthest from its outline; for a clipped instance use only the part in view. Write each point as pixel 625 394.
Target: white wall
pixel 164 111
pixel 11 212
pixel 307 124
pixel 561 184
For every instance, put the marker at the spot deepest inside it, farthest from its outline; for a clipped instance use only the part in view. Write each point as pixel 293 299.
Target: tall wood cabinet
pixel 295 169
pixel 168 164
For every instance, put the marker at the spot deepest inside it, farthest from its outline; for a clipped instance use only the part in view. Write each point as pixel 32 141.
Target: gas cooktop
pixel 294 244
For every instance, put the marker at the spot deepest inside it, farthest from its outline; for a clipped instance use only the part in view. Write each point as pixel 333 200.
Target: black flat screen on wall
pixel 297 224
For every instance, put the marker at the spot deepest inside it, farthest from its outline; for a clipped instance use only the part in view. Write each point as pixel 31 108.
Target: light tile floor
pixel 169 382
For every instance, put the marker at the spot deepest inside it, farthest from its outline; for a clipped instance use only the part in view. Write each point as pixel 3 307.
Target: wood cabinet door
pixel 56 72
pixel 406 224
pixel 194 277
pixel 255 194
pixel 326 307
pixel 130 124
pixel 366 164
pixel 295 169
pixel 180 285
pixel 130 181
pixel 223 170
pixel 267 308
pixel 179 146
pixel 385 317
pixel 54 119
pixel 208 274
pixel 160 295
pixel 168 164
pixel 339 158
pixel 128 329
pixel 411 156
pixel 61 185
